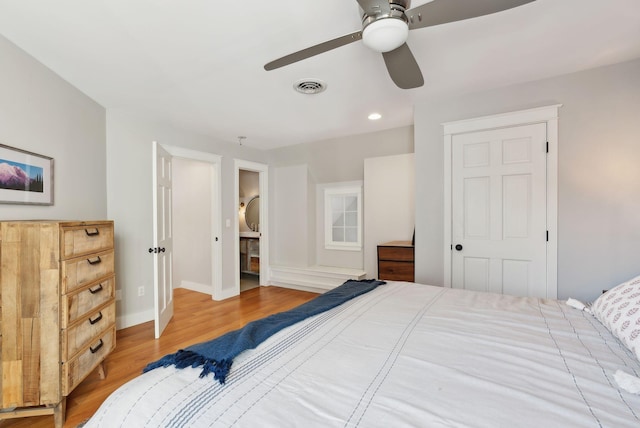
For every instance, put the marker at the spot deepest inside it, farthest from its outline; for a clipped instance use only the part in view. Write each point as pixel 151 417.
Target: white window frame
pixel 329 243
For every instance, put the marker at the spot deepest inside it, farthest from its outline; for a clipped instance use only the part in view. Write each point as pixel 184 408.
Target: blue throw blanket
pixel 216 356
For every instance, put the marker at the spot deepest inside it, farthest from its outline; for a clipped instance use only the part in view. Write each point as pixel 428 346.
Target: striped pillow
pixel 619 311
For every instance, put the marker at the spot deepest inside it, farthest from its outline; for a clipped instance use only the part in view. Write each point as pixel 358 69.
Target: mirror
pixel 252 214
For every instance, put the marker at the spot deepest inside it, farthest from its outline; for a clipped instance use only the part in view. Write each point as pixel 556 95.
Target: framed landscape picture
pixel 25 177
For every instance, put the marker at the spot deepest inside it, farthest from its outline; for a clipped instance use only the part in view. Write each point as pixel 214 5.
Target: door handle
pixel 458 247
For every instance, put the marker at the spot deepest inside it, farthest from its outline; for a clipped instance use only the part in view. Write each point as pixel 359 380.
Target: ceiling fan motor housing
pixel 386 31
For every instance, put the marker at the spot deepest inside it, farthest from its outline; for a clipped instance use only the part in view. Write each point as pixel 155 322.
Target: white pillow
pixel 619 310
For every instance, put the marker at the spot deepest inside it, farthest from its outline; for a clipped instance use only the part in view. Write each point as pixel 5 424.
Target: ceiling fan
pixel 385 29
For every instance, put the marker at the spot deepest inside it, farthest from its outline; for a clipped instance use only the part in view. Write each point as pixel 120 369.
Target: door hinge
pixel 547 147
pixel 547 236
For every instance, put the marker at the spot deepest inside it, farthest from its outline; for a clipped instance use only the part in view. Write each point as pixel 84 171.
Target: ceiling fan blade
pixel 374 7
pixel 442 11
pixel 403 68
pixel 314 50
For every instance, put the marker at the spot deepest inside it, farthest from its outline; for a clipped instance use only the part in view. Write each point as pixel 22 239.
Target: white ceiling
pixel 198 64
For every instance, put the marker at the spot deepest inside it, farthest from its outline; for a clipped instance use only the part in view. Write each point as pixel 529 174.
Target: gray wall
pixel 41 113
pixel 342 159
pixel 291 231
pixel 598 173
pixel 192 231
pixel 129 161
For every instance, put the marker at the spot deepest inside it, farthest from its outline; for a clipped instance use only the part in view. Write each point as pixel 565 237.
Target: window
pixel 342 218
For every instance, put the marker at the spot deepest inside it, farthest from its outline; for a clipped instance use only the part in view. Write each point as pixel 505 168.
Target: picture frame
pixel 25 177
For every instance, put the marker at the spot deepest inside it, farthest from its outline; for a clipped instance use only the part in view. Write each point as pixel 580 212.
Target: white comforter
pixel 404 355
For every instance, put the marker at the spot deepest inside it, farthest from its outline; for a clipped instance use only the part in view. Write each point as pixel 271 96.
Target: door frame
pixel 216 212
pixel 263 184
pixel 547 115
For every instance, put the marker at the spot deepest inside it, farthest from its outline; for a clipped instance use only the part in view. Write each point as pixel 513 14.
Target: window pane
pixel 351 203
pixel 351 219
pixel 351 234
pixel 338 219
pixel 337 203
pixel 342 218
pixel 338 234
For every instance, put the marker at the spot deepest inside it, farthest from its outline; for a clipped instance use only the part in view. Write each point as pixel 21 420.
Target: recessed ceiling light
pixel 374 116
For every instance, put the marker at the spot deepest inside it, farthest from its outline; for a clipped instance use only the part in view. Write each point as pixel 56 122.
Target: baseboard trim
pixel 195 286
pixel 130 320
pixel 317 279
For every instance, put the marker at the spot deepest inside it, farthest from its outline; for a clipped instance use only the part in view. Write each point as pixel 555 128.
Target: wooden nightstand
pixel 396 261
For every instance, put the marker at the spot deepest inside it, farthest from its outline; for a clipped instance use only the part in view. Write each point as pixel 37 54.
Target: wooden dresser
pixel 396 261
pixel 57 311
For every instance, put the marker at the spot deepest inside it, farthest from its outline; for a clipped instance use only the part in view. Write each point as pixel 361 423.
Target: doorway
pixel 251 225
pixel 501 203
pixel 165 158
pixel 249 229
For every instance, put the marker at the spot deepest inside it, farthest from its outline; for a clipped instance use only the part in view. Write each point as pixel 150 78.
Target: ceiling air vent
pixel 309 86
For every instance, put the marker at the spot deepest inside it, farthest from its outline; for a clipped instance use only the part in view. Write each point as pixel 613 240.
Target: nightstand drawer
pixel 396 271
pixel 395 253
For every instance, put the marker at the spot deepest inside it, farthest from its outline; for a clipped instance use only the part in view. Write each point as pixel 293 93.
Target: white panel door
pixel 163 239
pixel 499 211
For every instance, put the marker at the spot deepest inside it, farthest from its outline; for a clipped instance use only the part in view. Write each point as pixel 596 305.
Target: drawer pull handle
pixel 98 318
pixel 96 290
pixel 97 348
pixel 95 261
pixel 92 232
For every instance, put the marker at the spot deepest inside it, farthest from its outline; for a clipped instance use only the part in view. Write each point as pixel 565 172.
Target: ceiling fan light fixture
pixel 386 34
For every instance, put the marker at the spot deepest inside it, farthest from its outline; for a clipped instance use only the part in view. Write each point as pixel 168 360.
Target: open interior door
pixel 162 238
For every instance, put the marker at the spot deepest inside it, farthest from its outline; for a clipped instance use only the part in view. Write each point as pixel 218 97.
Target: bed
pixel 405 354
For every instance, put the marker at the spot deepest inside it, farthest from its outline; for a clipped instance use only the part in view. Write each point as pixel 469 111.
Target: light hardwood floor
pixel 196 318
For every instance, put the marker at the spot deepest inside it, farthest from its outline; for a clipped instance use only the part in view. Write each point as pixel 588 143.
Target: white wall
pixel 389 209
pixel 41 113
pixel 323 162
pixel 192 234
pixel 289 219
pixel 129 200
pixel 598 177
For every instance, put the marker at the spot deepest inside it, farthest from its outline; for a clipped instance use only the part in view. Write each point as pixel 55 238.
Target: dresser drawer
pixel 83 270
pixel 395 253
pixel 82 301
pixel 87 330
pixel 76 369
pixel 86 239
pixel 396 271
